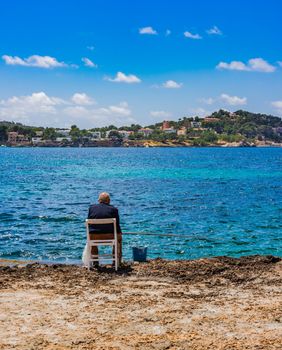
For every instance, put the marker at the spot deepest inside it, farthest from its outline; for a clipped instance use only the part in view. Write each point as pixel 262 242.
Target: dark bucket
pixel 139 254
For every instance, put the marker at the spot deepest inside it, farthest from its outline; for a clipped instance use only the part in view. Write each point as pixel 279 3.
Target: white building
pixel 196 124
pixel 278 130
pixel 169 131
pixel 95 135
pixel 146 131
pixel 39 133
pixel 182 131
pixel 36 140
pixel 124 133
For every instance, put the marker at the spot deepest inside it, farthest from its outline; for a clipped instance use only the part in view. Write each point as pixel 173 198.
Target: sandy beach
pixel 219 303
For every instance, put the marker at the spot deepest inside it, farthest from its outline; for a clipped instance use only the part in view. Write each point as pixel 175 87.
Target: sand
pixel 219 303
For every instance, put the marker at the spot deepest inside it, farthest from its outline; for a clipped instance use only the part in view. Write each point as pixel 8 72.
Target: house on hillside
pixel 167 128
pixel 14 138
pixel 95 135
pixel 146 131
pixel 195 124
pixel 182 131
pixel 36 140
pixel 278 130
pixel 125 134
pixel 39 133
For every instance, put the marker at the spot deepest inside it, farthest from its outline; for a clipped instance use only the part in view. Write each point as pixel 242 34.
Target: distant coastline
pixel 148 144
pixel 220 129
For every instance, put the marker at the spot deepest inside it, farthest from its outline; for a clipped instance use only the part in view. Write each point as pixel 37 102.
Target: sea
pixel 217 201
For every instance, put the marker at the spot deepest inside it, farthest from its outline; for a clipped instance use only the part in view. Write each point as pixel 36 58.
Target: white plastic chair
pixel 106 242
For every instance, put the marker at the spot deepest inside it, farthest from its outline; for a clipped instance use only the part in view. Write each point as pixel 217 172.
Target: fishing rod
pixel 156 234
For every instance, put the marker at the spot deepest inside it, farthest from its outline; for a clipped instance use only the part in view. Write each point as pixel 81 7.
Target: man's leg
pixel 119 238
pixel 119 247
pixel 94 250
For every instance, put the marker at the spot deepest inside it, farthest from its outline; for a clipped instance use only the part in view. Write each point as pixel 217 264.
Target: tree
pixel 249 130
pixel 111 127
pixel 181 138
pixel 75 133
pixel 209 136
pixel 136 136
pixel 3 133
pixel 49 134
pixel 159 136
pixel 199 142
pixel 115 135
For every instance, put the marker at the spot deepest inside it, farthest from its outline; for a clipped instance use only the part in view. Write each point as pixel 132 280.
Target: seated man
pixel 104 210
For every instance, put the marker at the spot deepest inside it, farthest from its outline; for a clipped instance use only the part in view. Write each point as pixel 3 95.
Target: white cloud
pixel 123 78
pixel 88 63
pixel 33 61
pixel 121 109
pixel 233 100
pixel 192 36
pixel 82 99
pixel 171 84
pixel 277 105
pixel 254 64
pixel 79 112
pixel 158 114
pixel 24 108
pixel 201 112
pixel 148 30
pixel 91 48
pixel 41 109
pixel 214 31
pixel 114 114
pixel 280 63
pixel 207 101
pixel 234 65
pixel 226 99
pixel 260 65
pixel 167 32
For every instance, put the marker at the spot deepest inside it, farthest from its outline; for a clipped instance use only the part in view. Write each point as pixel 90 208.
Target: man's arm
pixel 88 217
pixel 117 218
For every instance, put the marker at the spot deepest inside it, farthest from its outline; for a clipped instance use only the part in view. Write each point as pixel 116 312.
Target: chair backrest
pixel 101 222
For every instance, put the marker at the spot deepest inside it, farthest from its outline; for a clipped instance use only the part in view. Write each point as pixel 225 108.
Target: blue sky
pixel 94 63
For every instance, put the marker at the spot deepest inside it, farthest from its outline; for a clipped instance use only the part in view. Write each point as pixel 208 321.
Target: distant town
pixel 221 128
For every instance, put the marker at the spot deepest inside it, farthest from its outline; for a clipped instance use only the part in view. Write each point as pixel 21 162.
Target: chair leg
pixel 89 257
pixel 116 257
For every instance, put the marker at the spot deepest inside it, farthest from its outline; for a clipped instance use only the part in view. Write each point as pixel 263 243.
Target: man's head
pixel 104 197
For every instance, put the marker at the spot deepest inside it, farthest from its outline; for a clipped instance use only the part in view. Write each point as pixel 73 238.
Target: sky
pixel 98 62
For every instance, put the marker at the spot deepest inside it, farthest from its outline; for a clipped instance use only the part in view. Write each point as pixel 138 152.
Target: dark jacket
pixel 103 211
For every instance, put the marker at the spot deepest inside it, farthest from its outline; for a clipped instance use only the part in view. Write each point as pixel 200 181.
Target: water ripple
pixel 223 201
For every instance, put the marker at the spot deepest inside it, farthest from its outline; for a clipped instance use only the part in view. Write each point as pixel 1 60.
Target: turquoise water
pixel 223 201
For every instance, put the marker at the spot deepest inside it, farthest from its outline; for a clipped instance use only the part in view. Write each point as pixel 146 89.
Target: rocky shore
pixel 218 303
